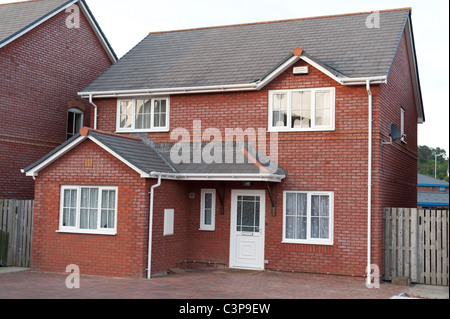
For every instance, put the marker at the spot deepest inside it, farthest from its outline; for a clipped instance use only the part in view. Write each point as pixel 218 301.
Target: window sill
pixel 142 131
pixel 308 242
pixel 294 130
pixel 205 229
pixel 88 232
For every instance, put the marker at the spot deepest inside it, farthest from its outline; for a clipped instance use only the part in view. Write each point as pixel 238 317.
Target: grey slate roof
pixel 18 16
pixel 134 151
pixel 243 54
pixel 239 163
pixel 149 157
pixel 14 17
pixel 432 198
pixel 427 180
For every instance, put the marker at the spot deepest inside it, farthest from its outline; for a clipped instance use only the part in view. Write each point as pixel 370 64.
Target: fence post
pixel 4 236
pixel 414 245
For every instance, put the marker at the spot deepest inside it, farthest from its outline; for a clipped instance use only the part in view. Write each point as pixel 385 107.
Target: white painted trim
pixel 309 240
pixel 132 129
pixel 219 177
pixel 120 158
pixel 289 106
pixel 37 23
pixel 75 111
pixel 76 229
pixel 321 69
pixel 204 226
pixel 233 233
pixel 277 72
pixel 233 87
pixel 169 91
pixel 34 171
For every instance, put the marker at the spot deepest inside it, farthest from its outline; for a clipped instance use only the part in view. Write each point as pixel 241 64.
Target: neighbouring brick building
pixel 432 193
pixel 132 197
pixel 49 51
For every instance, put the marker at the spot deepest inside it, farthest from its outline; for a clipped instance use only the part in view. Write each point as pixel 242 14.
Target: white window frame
pixel 75 111
pixel 313 127
pixel 313 241
pixel 76 228
pixel 402 124
pixel 204 226
pixel 133 116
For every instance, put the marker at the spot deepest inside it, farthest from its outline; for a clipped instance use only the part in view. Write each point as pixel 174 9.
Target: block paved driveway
pixel 210 284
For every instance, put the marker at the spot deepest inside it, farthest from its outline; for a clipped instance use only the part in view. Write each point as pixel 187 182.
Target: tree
pixel 427 162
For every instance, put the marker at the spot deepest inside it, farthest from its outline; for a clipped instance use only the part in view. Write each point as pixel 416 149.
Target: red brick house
pixel 49 51
pixel 246 145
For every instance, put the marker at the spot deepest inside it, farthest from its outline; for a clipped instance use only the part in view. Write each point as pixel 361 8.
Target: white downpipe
pixel 150 229
pixel 95 111
pixel 369 188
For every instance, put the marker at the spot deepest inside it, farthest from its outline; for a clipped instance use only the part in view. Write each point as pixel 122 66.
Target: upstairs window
pixel 74 122
pixel 301 110
pixel 143 115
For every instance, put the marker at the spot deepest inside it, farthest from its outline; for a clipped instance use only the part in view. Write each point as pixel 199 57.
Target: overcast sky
pixel 125 23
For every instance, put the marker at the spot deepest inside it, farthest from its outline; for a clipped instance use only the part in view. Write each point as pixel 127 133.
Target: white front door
pixel 247 229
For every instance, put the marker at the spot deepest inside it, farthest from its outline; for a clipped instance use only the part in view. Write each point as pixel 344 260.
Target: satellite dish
pixel 395 132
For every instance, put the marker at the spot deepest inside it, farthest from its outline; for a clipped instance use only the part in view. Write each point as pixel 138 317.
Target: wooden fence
pixel 416 244
pixel 16 226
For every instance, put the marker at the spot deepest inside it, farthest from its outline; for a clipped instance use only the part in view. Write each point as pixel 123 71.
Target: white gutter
pixel 363 80
pixel 150 227
pixel 226 88
pixel 369 188
pixel 95 111
pixel 219 177
pixel 169 91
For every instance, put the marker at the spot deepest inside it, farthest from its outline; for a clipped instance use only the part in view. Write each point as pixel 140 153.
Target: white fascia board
pixel 120 158
pixel 220 177
pixel 35 171
pixel 277 72
pixel 234 87
pixel 37 23
pixel 169 91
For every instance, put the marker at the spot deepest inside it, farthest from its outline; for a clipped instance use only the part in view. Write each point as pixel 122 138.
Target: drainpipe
pixel 150 228
pixel 369 187
pixel 95 111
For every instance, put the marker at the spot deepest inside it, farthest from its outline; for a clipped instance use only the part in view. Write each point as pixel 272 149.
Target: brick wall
pixel 122 255
pixel 40 72
pixel 395 166
pixel 316 161
pixel 168 250
pixel 432 189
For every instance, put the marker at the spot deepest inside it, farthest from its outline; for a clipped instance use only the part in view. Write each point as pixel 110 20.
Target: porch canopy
pixel 190 161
